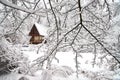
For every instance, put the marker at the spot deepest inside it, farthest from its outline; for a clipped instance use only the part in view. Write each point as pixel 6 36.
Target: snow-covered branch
pixel 81 23
pixel 6 3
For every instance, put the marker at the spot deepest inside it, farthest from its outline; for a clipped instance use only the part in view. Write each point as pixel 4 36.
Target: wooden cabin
pixel 37 33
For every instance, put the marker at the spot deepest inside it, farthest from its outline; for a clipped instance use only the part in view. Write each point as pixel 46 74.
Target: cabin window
pixel 37 38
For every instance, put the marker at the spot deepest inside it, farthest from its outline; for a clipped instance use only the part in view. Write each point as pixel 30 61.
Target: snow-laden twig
pixel 81 23
pixel 6 3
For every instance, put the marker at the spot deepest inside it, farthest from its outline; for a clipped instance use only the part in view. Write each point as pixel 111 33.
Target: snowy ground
pixel 65 58
pixel 46 75
pixel 38 77
pixel 65 69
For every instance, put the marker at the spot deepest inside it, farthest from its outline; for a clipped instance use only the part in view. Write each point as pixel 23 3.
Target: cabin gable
pixel 36 37
pixel 34 31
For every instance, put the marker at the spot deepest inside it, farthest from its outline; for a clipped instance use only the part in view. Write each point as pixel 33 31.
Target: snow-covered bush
pixel 10 56
pixel 55 71
pixel 46 75
pixel 101 75
pixel 11 76
pixel 63 71
pixel 23 78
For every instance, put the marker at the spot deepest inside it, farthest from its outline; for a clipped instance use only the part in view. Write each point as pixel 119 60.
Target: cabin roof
pixel 41 29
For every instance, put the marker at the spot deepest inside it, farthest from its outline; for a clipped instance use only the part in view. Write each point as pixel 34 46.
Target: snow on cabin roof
pixel 41 29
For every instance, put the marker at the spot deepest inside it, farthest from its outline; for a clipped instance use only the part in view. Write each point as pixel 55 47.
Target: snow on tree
pixel 77 25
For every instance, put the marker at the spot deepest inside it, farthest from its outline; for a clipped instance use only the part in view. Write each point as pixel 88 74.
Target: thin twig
pixel 5 17
pixel 56 21
pixel 6 3
pixel 76 34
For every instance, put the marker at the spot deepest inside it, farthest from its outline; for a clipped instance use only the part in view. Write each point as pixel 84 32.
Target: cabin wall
pixel 36 39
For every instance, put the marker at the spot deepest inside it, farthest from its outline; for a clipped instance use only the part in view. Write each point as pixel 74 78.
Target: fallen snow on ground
pixel 48 75
pixel 14 76
pixel 65 58
pixel 31 52
pixel 65 65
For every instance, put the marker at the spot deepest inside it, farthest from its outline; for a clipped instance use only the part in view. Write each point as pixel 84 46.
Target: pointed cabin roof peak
pixel 38 29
